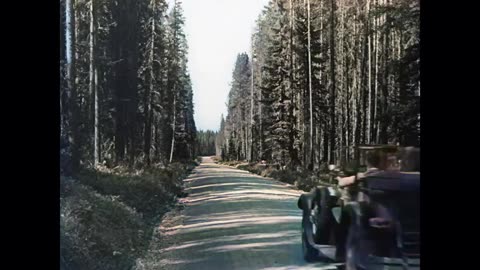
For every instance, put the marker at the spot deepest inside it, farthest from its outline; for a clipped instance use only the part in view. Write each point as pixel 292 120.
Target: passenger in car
pixel 373 167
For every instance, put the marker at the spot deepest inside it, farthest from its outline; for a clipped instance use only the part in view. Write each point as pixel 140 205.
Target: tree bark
pixel 343 89
pixel 333 90
pixel 375 95
pixel 384 121
pixel 250 154
pixel 173 129
pixel 369 105
pixel 96 133
pixel 93 81
pixel 149 90
pixel 73 80
pixel 310 82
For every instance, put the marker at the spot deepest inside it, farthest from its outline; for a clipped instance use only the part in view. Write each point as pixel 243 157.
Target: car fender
pixel 306 200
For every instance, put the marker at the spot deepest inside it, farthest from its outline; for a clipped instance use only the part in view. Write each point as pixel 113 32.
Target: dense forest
pixel 206 143
pixel 322 76
pixel 325 76
pixel 125 95
pixel 127 132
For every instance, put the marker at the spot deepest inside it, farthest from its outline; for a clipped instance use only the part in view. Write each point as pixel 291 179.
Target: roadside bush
pixel 252 167
pixel 99 232
pixel 145 191
pixel 108 217
pixel 286 176
pixel 232 163
pixel 304 180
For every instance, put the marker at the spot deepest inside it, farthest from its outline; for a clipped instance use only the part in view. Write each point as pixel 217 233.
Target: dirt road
pixel 234 220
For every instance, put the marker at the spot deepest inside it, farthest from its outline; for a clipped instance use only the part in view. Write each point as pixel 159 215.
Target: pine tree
pixel 238 118
pixel 179 95
pixel 330 75
pixel 126 65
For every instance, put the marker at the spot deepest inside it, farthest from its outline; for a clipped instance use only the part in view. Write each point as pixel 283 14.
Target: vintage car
pixel 371 224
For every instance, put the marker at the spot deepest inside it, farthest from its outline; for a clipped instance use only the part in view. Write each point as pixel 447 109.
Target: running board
pixel 326 251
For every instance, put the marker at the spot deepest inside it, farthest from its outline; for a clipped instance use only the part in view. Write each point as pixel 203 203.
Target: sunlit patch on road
pixel 234 220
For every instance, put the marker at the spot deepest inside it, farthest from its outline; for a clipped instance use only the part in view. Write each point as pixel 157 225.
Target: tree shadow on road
pixel 235 220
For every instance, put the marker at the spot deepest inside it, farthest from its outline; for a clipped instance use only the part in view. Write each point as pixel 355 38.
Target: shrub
pixel 232 163
pixel 145 191
pixel 108 217
pixel 99 232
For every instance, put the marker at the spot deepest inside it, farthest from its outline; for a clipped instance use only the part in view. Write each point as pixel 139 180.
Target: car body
pixel 375 227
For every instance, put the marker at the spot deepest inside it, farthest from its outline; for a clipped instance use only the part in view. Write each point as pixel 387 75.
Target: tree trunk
pixel 375 95
pixel 348 110
pixel 318 139
pixel 369 105
pixel 157 139
pixel 120 83
pixel 92 80
pixel 364 94
pixel 173 128
pixel 291 120
pixel 149 91
pixel 133 46
pixel 310 81
pixel 245 139
pixel 250 154
pixel 96 133
pixel 332 91
pixel 63 65
pixel 355 109
pixel 72 79
pixel 260 118
pixel 343 90
pixel 384 121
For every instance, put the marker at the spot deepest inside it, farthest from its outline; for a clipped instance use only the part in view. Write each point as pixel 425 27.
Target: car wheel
pixel 310 254
pixel 323 217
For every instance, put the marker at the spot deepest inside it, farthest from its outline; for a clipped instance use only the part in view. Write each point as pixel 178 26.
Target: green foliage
pixel 232 163
pixel 363 58
pixel 140 55
pixel 302 179
pixel 99 232
pixel 232 151
pixel 224 153
pixel 107 218
pixel 286 176
pixel 206 142
pixel 235 128
pixel 252 167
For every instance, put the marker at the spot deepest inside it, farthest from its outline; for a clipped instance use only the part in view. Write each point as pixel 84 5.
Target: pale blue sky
pixel 217 30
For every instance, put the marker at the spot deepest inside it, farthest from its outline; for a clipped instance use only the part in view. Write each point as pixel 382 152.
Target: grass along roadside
pixel 304 180
pixel 107 217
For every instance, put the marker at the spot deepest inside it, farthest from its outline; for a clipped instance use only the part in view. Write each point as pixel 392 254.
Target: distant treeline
pixel 206 143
